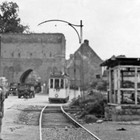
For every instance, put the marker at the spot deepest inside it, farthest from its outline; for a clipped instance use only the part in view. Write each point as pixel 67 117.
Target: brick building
pixel 84 66
pixel 42 53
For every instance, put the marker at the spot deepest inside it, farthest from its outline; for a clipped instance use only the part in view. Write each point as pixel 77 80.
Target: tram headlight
pixel 56 95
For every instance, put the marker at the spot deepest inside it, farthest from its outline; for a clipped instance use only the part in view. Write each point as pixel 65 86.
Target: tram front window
pixel 51 83
pixel 62 83
pixel 56 83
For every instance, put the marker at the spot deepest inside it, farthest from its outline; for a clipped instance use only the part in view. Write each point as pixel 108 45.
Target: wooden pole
pixel 136 86
pixel 110 91
pixel 119 93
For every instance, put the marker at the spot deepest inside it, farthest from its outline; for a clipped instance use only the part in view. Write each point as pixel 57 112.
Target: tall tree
pixel 9 20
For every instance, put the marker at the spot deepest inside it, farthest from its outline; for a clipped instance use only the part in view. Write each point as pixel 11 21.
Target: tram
pixel 59 85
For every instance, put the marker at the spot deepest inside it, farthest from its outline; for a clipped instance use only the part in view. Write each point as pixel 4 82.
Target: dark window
pixel 56 83
pixel 98 76
pixel 62 83
pixel 18 54
pixel 51 83
pixel 50 54
pixel 74 70
pixel 31 54
pixel 12 54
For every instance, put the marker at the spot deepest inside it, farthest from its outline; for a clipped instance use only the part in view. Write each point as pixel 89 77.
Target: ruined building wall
pixel 39 52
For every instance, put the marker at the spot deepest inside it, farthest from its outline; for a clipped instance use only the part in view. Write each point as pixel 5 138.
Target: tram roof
pixel 58 75
pixel 114 61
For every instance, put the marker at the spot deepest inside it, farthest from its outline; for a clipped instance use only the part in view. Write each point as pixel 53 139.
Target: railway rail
pixel 56 123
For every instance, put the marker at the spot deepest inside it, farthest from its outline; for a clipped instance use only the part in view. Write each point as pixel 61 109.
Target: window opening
pixel 18 54
pixel 66 83
pixel 50 54
pixel 62 83
pixel 56 83
pixel 98 76
pixel 51 83
pixel 31 54
pixel 12 54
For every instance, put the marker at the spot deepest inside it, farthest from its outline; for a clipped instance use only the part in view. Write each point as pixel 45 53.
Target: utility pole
pixel 76 78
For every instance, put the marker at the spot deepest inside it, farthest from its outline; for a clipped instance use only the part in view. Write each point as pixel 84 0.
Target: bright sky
pixel 111 26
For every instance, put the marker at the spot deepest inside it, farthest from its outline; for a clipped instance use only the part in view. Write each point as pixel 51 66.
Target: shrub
pixel 100 85
pixel 91 104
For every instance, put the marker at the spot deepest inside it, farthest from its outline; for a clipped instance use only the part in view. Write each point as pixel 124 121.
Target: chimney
pixel 86 42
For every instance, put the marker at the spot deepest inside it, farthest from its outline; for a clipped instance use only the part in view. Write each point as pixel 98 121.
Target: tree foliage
pixel 9 20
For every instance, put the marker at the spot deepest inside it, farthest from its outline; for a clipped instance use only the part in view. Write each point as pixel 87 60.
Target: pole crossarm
pixel 70 24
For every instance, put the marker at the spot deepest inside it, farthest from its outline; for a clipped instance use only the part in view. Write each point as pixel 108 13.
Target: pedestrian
pixel 2 98
pixel 32 90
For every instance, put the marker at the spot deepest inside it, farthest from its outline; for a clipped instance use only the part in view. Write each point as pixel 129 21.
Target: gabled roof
pixel 86 54
pixel 114 61
pixel 58 75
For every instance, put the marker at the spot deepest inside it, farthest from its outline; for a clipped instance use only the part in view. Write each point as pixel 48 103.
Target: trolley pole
pixel 81 32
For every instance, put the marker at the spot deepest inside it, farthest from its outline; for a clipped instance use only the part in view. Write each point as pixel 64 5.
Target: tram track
pixel 56 123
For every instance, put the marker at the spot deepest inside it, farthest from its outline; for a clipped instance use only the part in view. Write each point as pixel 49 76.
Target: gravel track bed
pixel 65 134
pixel 68 131
pixel 55 119
pixel 29 116
pixel 26 107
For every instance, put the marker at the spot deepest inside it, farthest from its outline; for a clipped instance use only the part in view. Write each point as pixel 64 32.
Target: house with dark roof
pixel 84 66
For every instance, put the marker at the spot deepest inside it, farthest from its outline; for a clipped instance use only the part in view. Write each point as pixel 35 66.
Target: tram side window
pixel 51 83
pixel 66 82
pixel 62 83
pixel 56 83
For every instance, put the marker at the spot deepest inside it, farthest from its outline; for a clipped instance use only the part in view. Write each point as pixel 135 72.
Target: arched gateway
pixel 22 53
pixel 24 76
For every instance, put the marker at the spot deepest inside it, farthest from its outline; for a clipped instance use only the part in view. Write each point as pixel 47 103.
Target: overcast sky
pixel 111 26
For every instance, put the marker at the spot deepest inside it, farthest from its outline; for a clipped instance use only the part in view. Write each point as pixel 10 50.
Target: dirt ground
pixel 12 130
pixel 116 130
pixel 20 131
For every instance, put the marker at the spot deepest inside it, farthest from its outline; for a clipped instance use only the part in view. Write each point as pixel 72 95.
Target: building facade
pixel 84 66
pixel 42 53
